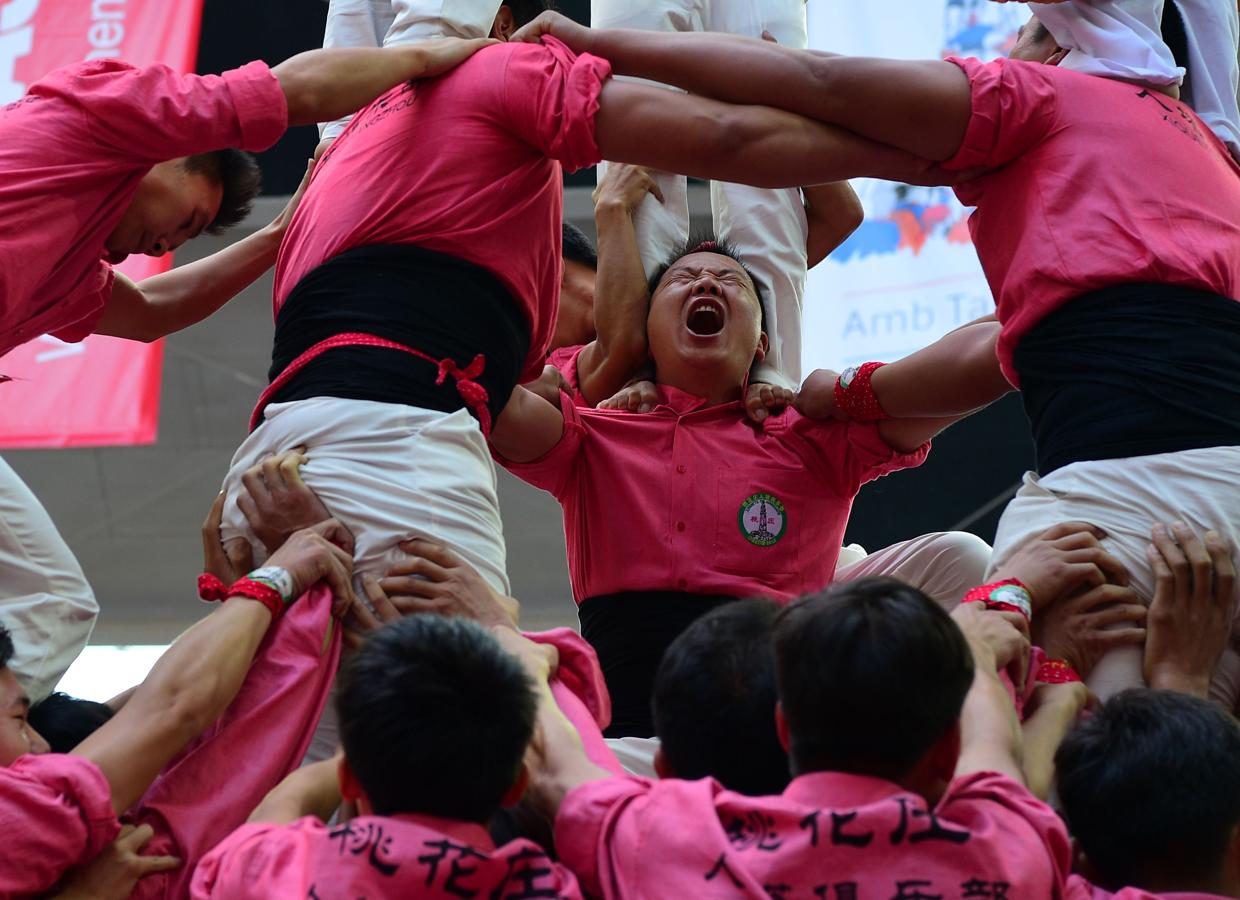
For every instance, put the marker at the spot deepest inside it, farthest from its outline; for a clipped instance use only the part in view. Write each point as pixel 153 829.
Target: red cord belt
pixel 474 394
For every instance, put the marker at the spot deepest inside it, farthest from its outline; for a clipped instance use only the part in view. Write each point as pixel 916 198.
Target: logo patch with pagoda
pixel 763 520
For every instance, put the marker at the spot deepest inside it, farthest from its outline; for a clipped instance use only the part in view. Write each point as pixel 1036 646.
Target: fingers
pixel 252 481
pixel 1130 613
pixel 1063 529
pixel 654 189
pixel 1175 561
pixel 240 555
pixel 135 839
pixel 400 578
pixel 148 865
pixel 384 611
pixel 334 531
pixel 431 550
pixel 1200 565
pixel 213 556
pixel 1224 567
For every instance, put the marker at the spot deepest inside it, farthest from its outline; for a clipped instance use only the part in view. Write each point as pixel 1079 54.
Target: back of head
pixel 577 247
pixel 871 674
pixel 526 11
pixel 6 647
pixel 66 721
pixel 714 700
pixel 239 176
pixel 1150 787
pixel 435 717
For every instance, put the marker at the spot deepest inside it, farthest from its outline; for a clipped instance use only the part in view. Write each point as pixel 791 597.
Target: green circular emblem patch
pixel 762 519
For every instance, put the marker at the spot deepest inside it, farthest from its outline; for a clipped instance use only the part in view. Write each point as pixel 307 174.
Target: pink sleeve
pixel 581 693
pixel 238 859
pixel 596 828
pixel 1015 105
pixel 157 113
pixel 552 470
pixel 996 805
pixel 850 454
pixel 203 794
pixel 565 359
pixel 101 290
pixel 55 812
pixel 551 97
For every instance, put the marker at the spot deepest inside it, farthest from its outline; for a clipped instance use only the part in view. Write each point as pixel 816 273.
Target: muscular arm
pixel 186 691
pixel 528 427
pixel 620 305
pixel 954 376
pixel 312 790
pixel 166 303
pixel 833 212
pixel 922 107
pixel 753 145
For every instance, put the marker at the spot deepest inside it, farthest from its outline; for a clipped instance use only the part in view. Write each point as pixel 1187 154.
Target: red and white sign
pixel 103 391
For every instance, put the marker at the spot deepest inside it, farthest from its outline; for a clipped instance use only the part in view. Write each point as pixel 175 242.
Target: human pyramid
pixel 749 710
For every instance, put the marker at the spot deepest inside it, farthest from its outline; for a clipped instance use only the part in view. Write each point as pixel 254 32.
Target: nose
pixel 38 744
pixel 707 283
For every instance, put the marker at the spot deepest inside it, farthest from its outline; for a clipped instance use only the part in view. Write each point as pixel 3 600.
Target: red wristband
pixel 1056 671
pixel 1009 595
pixel 210 588
pixel 854 394
pixel 263 593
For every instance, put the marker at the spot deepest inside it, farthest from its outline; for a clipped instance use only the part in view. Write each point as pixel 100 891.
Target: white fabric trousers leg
pixel 378 23
pixel 943 565
pixel 1125 497
pixel 768 227
pixel 45 601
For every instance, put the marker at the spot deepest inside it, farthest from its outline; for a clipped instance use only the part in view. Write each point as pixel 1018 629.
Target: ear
pixel 781 727
pixel 514 794
pixel 350 789
pixel 763 346
pixel 1057 57
pixel 504 26
pixel 946 754
pixel 661 766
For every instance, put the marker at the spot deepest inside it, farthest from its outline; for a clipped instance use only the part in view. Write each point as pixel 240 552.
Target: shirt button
pixel 681 469
pixel 682 584
pixel 680 526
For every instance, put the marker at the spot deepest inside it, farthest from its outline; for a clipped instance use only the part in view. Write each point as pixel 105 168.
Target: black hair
pixel 714 700
pixel 871 673
pixel 66 721
pixel 238 174
pixel 706 242
pixel 1041 32
pixel 6 647
pixel 526 11
pixel 1150 787
pixel 435 717
pixel 577 247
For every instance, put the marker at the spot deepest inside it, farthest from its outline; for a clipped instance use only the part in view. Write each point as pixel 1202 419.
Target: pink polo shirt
pixel 1080 889
pixel 55 812
pixel 74 150
pixel 565 359
pixel 1095 182
pixel 377 856
pixel 696 498
pixel 829 836
pixel 468 164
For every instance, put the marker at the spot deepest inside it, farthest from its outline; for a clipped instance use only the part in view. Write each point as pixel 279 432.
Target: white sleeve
pixel 45 601
pixel 354 23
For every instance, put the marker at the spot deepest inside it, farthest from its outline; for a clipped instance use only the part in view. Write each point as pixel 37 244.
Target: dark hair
pixel 66 721
pixel 435 717
pixel 577 247
pixel 1174 34
pixel 526 11
pixel 6 647
pixel 1041 32
pixel 1150 786
pixel 238 174
pixel 707 243
pixel 714 700
pixel 871 673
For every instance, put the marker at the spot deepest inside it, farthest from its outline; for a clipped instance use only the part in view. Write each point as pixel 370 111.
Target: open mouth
pixel 705 316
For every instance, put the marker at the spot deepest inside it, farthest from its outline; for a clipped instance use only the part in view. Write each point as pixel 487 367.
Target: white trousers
pixel 767 227
pixel 378 23
pixel 944 565
pixel 1125 497
pixel 45 601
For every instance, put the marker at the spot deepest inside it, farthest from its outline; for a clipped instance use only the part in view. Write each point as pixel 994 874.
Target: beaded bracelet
pixel 1056 671
pixel 854 394
pixel 1009 595
pixel 211 588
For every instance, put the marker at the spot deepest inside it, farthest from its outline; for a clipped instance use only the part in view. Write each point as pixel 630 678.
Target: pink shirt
pixel 1096 182
pixel 55 812
pixel 377 856
pixel 1080 889
pixel 829 836
pixel 565 359
pixel 468 165
pixel 74 150
pixel 696 498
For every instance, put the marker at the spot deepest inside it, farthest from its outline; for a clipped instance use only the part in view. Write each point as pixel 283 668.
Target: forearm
pixel 166 303
pixel 919 106
pixel 753 145
pixel 323 85
pixel 620 307
pixel 833 212
pixel 312 790
pixel 187 690
pixel 1042 733
pixel 957 374
pixel 562 764
pixel 1174 678
pixel 989 733
pixel 528 427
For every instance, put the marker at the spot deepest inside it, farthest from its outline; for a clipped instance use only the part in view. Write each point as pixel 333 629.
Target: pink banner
pixel 103 391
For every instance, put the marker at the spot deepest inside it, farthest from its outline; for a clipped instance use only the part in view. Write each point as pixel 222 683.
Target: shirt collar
pixel 683 403
pixel 470 833
pixel 841 789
